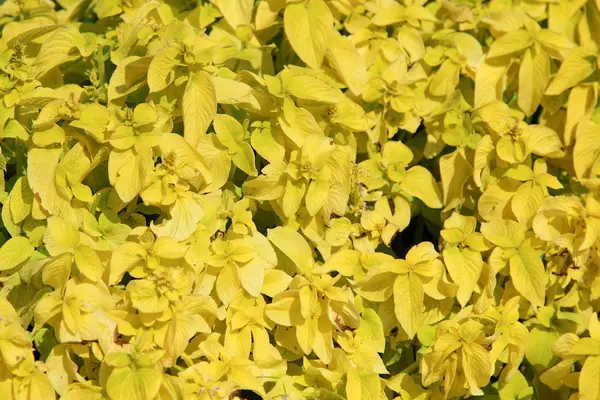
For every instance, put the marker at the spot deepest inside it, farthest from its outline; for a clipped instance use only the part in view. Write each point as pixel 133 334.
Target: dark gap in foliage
pixel 416 232
pixel 244 394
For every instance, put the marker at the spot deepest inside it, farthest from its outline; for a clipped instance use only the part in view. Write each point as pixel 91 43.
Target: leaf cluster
pixel 301 199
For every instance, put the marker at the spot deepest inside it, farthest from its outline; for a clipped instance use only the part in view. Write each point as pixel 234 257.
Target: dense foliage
pixel 302 199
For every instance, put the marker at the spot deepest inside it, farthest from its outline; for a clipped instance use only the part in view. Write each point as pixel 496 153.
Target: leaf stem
pixel 411 368
pixel 100 61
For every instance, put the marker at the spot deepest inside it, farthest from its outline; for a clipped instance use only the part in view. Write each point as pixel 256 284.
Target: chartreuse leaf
pixel 302 199
pixel 464 266
pixel 476 366
pixel 199 106
pixel 231 133
pixel 528 275
pixel 534 75
pixel 347 62
pixel 15 251
pixel 511 43
pixel 236 12
pixel 362 385
pixel 125 383
pixel 128 170
pixel 420 183
pixel 589 379
pixel 294 246
pixel 308 26
pixel 408 302
pixel 577 66
pixel 161 69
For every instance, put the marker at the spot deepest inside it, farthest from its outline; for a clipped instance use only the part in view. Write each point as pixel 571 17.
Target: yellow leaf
pixel 526 202
pixel 444 81
pixel 285 309
pixel 586 147
pixel 297 123
pixel 57 271
pixel 580 64
pixel 126 384
pixel 510 43
pixel 128 170
pixel 307 26
pixel 555 44
pixel 80 391
pixel 294 246
pixel 21 200
pixel 82 192
pixel 465 267
pixel 362 385
pixel 494 202
pixel 275 282
pixel 199 106
pixel 182 219
pixel 555 376
pixel 582 101
pixel 376 286
pixel 543 141
pixel 344 261
pixel 60 236
pixel 455 171
pixel 317 194
pixel 15 251
pixel 293 196
pixel 229 91
pixel 306 334
pixel 251 277
pixel 408 302
pixel 476 366
pixel 489 85
pixel 504 233
pixel 306 87
pixel 528 275
pixel 511 150
pixel 236 12
pixel 41 174
pixel 36 386
pixel 534 76
pixel 370 332
pixel 420 183
pixel 161 71
pixel 345 59
pixel 61 369
pixel 89 263
pixel 244 159
pixel 396 13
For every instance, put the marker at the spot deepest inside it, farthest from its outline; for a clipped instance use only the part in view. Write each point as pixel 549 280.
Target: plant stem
pixel 411 368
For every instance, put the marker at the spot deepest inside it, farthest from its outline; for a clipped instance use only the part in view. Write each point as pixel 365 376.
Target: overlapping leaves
pixel 309 199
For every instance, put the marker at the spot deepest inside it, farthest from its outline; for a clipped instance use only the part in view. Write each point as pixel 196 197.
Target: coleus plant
pixel 302 199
